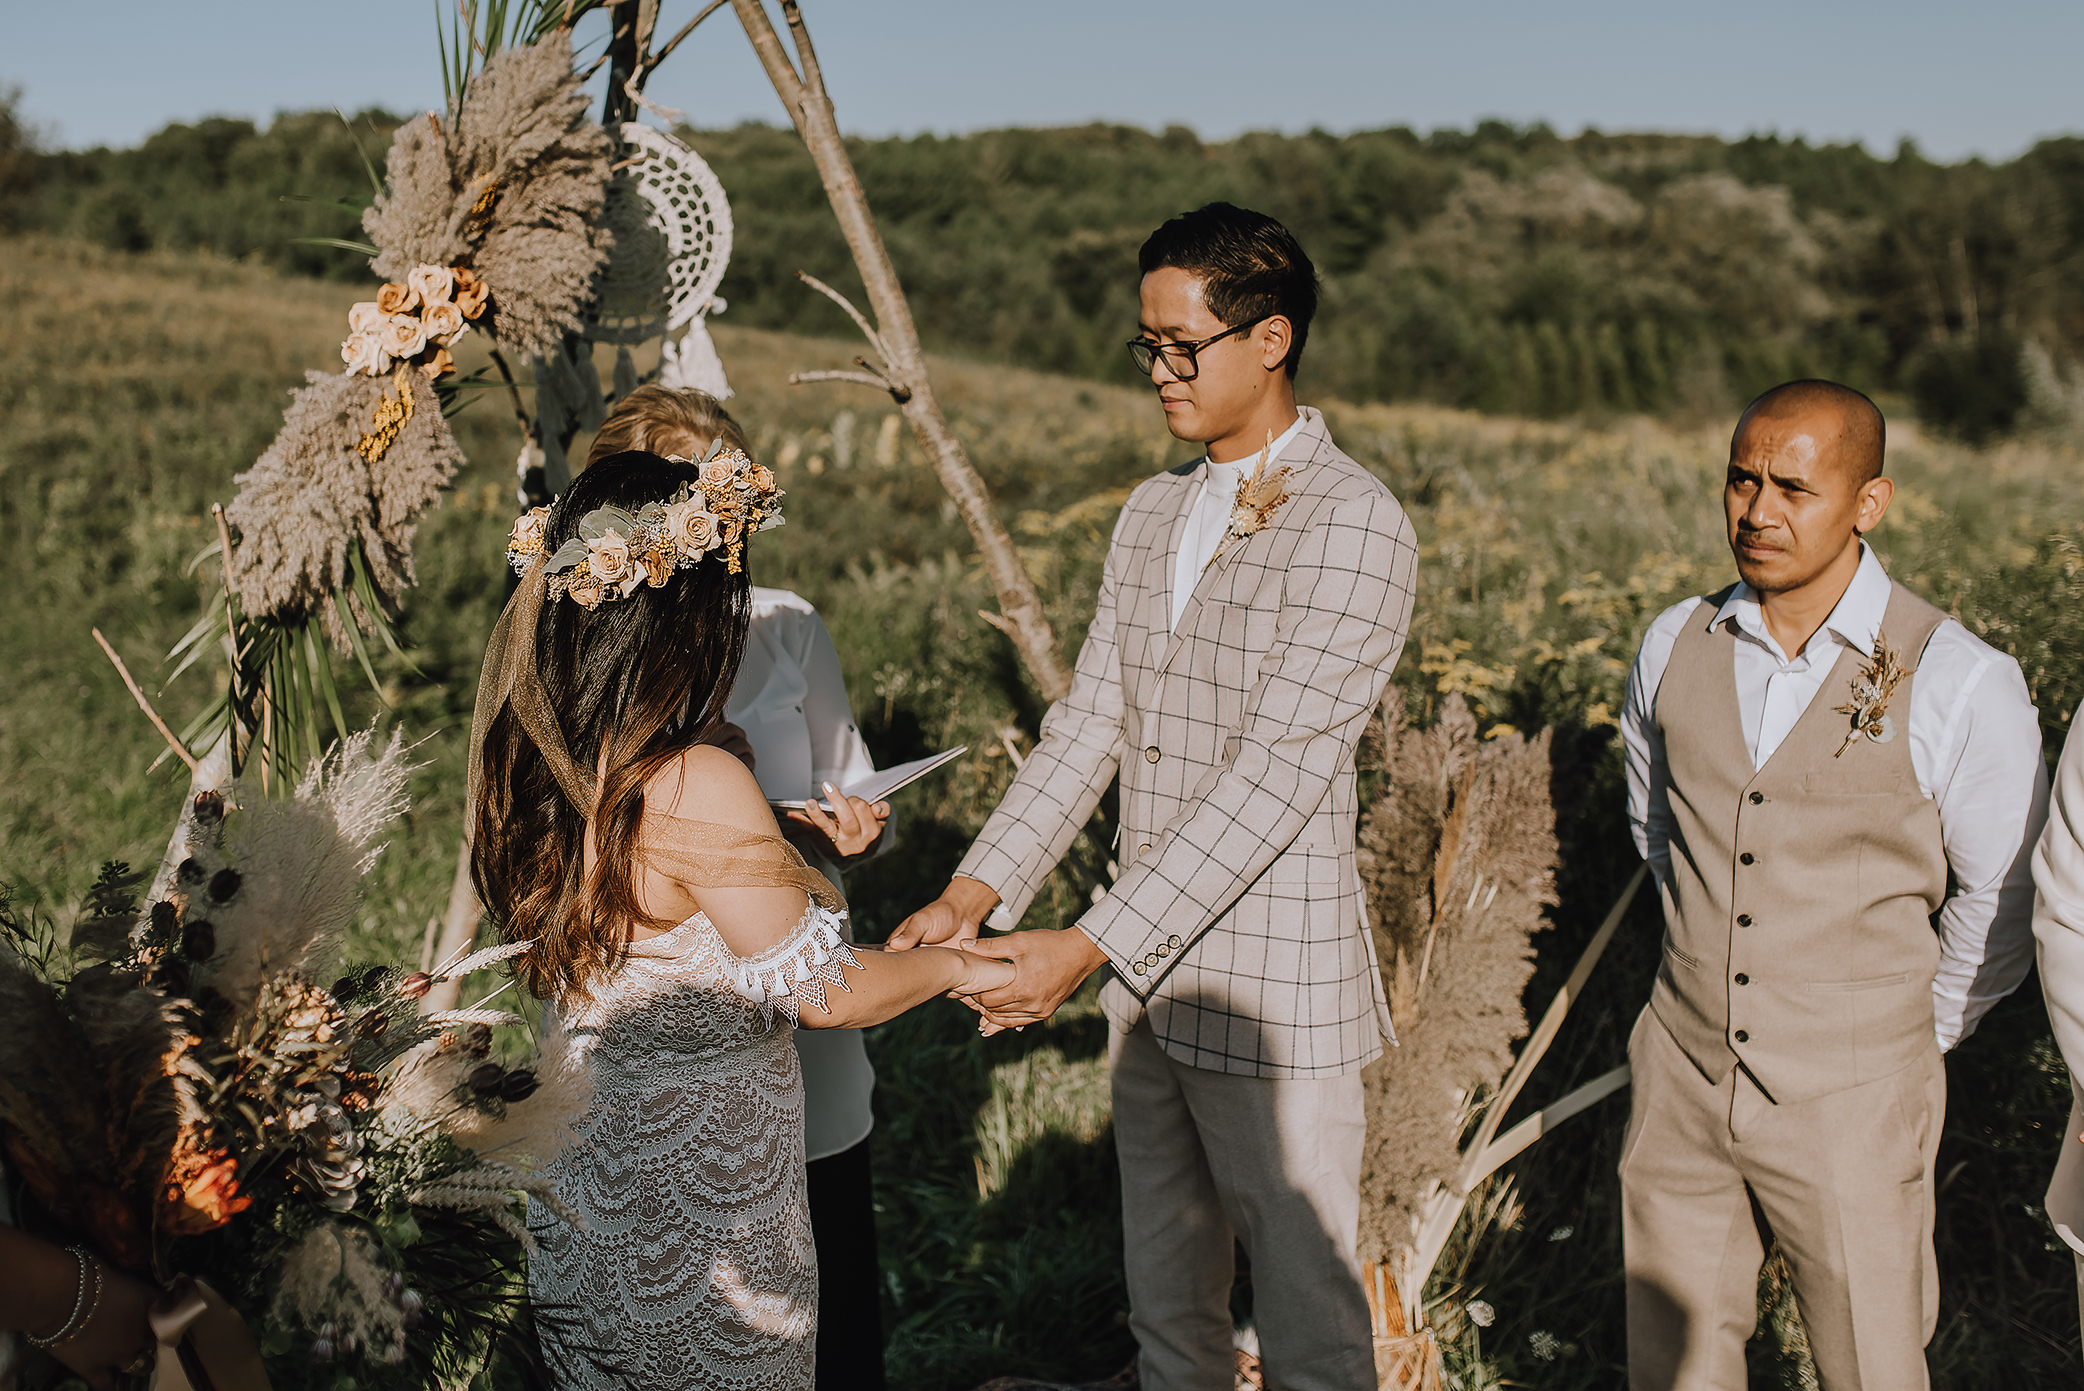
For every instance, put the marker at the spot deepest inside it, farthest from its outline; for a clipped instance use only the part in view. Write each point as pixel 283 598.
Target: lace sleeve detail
pixel 784 976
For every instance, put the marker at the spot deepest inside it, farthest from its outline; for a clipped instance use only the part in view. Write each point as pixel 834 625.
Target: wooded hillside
pixel 1505 269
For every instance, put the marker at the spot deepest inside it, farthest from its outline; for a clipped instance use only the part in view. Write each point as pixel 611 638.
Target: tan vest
pixel 1798 933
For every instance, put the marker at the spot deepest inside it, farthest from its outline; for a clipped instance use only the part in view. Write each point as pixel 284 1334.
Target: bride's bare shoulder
pixel 708 784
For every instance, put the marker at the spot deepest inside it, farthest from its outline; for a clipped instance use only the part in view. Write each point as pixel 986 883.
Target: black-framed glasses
pixel 1180 359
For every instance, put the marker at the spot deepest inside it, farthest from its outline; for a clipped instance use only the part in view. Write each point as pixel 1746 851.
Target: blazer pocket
pixel 1870 983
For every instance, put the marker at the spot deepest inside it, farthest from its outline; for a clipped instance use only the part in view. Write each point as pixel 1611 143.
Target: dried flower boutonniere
pixel 1872 686
pixel 1259 495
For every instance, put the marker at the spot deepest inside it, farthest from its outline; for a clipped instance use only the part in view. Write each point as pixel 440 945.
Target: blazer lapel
pixel 1165 534
pixel 1302 451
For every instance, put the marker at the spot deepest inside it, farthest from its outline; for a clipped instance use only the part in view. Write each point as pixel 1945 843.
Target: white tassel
pixel 693 362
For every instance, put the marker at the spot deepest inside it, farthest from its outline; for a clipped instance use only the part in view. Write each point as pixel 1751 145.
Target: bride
pixel 674 933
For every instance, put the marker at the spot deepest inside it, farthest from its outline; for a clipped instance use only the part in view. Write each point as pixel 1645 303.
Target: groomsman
pixel 1252 606
pixel 1811 753
pixel 2058 926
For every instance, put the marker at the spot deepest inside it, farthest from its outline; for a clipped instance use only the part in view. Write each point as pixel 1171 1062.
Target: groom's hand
pixel 955 917
pixel 1048 966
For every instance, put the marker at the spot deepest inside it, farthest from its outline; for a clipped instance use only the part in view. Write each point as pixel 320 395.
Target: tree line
pixel 1505 268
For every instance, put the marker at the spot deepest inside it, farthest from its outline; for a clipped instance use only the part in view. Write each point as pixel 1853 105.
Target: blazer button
pixel 1757 797
pixel 1743 979
pixel 1743 1037
pixel 1138 967
pixel 1743 920
pixel 1173 942
pixel 1746 858
pixel 1161 951
pixel 1150 755
pixel 1143 850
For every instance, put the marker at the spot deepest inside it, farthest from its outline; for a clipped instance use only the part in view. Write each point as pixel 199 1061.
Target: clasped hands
pixel 1048 965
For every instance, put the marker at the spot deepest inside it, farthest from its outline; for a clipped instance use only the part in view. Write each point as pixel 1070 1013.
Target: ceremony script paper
pixel 884 781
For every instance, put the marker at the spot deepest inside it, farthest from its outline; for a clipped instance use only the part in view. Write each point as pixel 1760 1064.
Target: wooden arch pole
pixel 902 371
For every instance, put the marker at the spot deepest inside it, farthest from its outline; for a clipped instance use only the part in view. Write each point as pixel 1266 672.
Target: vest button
pixel 1746 858
pixel 1757 797
pixel 1743 1037
pixel 1743 979
pixel 1150 755
pixel 1743 920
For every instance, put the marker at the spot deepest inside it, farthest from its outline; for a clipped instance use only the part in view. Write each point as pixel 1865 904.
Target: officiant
pixel 792 721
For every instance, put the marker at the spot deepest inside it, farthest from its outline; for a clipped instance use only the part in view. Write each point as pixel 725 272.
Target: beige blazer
pixel 2058 931
pixel 1237 922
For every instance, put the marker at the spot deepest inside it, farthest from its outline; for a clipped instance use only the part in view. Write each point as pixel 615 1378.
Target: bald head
pixel 1847 427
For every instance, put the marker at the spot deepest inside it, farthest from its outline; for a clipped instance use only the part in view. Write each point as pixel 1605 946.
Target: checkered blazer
pixel 1237 922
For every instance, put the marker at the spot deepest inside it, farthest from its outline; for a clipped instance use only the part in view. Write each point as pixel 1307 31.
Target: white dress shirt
pixel 1975 746
pixel 791 700
pixel 1208 517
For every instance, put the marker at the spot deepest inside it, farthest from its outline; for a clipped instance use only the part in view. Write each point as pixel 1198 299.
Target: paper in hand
pixel 884 781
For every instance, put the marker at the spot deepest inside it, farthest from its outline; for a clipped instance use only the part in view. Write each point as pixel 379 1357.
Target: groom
pixel 1249 615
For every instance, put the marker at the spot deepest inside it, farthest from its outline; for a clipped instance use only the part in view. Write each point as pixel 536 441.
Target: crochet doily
pixel 672 229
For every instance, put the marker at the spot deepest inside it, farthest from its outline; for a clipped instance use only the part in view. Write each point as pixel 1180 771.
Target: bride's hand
pixel 984 973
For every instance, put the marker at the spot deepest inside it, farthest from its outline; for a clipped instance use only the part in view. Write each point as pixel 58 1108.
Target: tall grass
pixel 133 388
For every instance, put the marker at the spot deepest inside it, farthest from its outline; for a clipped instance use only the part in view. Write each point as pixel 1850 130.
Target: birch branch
pixel 897 338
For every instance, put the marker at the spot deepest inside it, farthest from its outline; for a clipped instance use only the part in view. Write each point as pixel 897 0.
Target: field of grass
pixel 133 388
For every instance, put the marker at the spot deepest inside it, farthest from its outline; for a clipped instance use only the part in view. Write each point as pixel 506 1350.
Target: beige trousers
pixel 1208 1158
pixel 1844 1182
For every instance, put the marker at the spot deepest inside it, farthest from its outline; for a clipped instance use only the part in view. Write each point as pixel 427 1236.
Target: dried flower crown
pixel 617 550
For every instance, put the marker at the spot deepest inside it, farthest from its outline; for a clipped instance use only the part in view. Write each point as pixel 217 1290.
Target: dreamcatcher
pixel 672 229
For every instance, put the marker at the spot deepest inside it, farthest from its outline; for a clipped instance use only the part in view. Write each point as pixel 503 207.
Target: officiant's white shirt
pixel 1208 517
pixel 791 700
pixel 1975 747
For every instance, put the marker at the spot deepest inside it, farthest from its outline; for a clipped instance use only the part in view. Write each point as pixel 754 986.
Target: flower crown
pixel 616 551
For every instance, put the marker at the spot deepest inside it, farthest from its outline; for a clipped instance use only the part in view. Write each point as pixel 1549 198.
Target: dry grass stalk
pixel 1459 860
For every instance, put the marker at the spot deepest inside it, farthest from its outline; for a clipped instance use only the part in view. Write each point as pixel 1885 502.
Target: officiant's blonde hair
pixel 667 420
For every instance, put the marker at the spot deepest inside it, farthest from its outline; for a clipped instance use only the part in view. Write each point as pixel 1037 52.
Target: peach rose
pixel 692 528
pixel 364 316
pixel 719 471
pixel 404 335
pixel 439 365
pixel 658 564
pixel 365 353
pixel 471 292
pixel 443 321
pixel 431 283
pixel 529 528
pixel 202 1191
pixel 394 298
pixel 587 595
pixel 762 478
pixel 611 564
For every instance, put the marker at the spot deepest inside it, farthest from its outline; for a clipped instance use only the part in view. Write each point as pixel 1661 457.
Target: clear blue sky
pixel 1959 78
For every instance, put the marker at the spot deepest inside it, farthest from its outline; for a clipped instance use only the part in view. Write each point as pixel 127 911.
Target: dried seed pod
pixel 199 940
pixel 479 1040
pixel 191 871
pixel 223 884
pixel 344 989
pixel 485 1078
pixel 372 1024
pixel 372 979
pixel 165 918
pixel 416 985
pixel 209 807
pixel 322 1350
pixel 520 1084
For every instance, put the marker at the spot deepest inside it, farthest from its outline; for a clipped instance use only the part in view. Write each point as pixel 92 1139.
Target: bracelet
pixel 83 1305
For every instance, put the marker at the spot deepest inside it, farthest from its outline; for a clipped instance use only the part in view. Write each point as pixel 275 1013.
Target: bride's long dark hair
pixel 633 683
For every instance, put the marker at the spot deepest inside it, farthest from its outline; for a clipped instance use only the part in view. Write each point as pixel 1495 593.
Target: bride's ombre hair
pixel 633 684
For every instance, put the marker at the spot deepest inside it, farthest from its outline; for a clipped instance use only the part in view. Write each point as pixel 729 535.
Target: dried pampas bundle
pixel 314 498
pixel 282 885
pixel 1459 859
pixel 514 192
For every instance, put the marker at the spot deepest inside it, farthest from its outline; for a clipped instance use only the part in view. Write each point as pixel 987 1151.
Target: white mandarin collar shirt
pixel 1975 747
pixel 1208 517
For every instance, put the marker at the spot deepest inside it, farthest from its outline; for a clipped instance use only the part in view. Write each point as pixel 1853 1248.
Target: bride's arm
pixel 711 786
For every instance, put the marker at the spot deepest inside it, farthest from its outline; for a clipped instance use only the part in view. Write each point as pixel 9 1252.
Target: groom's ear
pixel 1275 337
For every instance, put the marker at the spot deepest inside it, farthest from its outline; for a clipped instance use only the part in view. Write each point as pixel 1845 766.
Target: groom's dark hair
pixel 1249 265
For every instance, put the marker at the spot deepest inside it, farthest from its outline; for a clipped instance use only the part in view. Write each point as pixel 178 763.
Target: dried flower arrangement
pixel 490 222
pixel 1459 857
pixel 178 1091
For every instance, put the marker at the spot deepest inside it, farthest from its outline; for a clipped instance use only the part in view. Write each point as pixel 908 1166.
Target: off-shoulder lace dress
pixel 694 1265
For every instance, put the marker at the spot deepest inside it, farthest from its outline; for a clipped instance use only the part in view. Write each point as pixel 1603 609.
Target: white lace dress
pixel 694 1265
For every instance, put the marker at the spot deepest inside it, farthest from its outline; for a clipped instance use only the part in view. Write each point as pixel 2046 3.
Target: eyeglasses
pixel 1180 357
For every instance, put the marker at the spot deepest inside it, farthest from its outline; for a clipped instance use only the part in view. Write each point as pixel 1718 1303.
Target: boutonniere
pixel 1872 686
pixel 1259 495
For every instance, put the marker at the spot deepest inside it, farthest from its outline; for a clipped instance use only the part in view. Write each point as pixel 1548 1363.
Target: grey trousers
pixel 1845 1182
pixel 1272 1162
